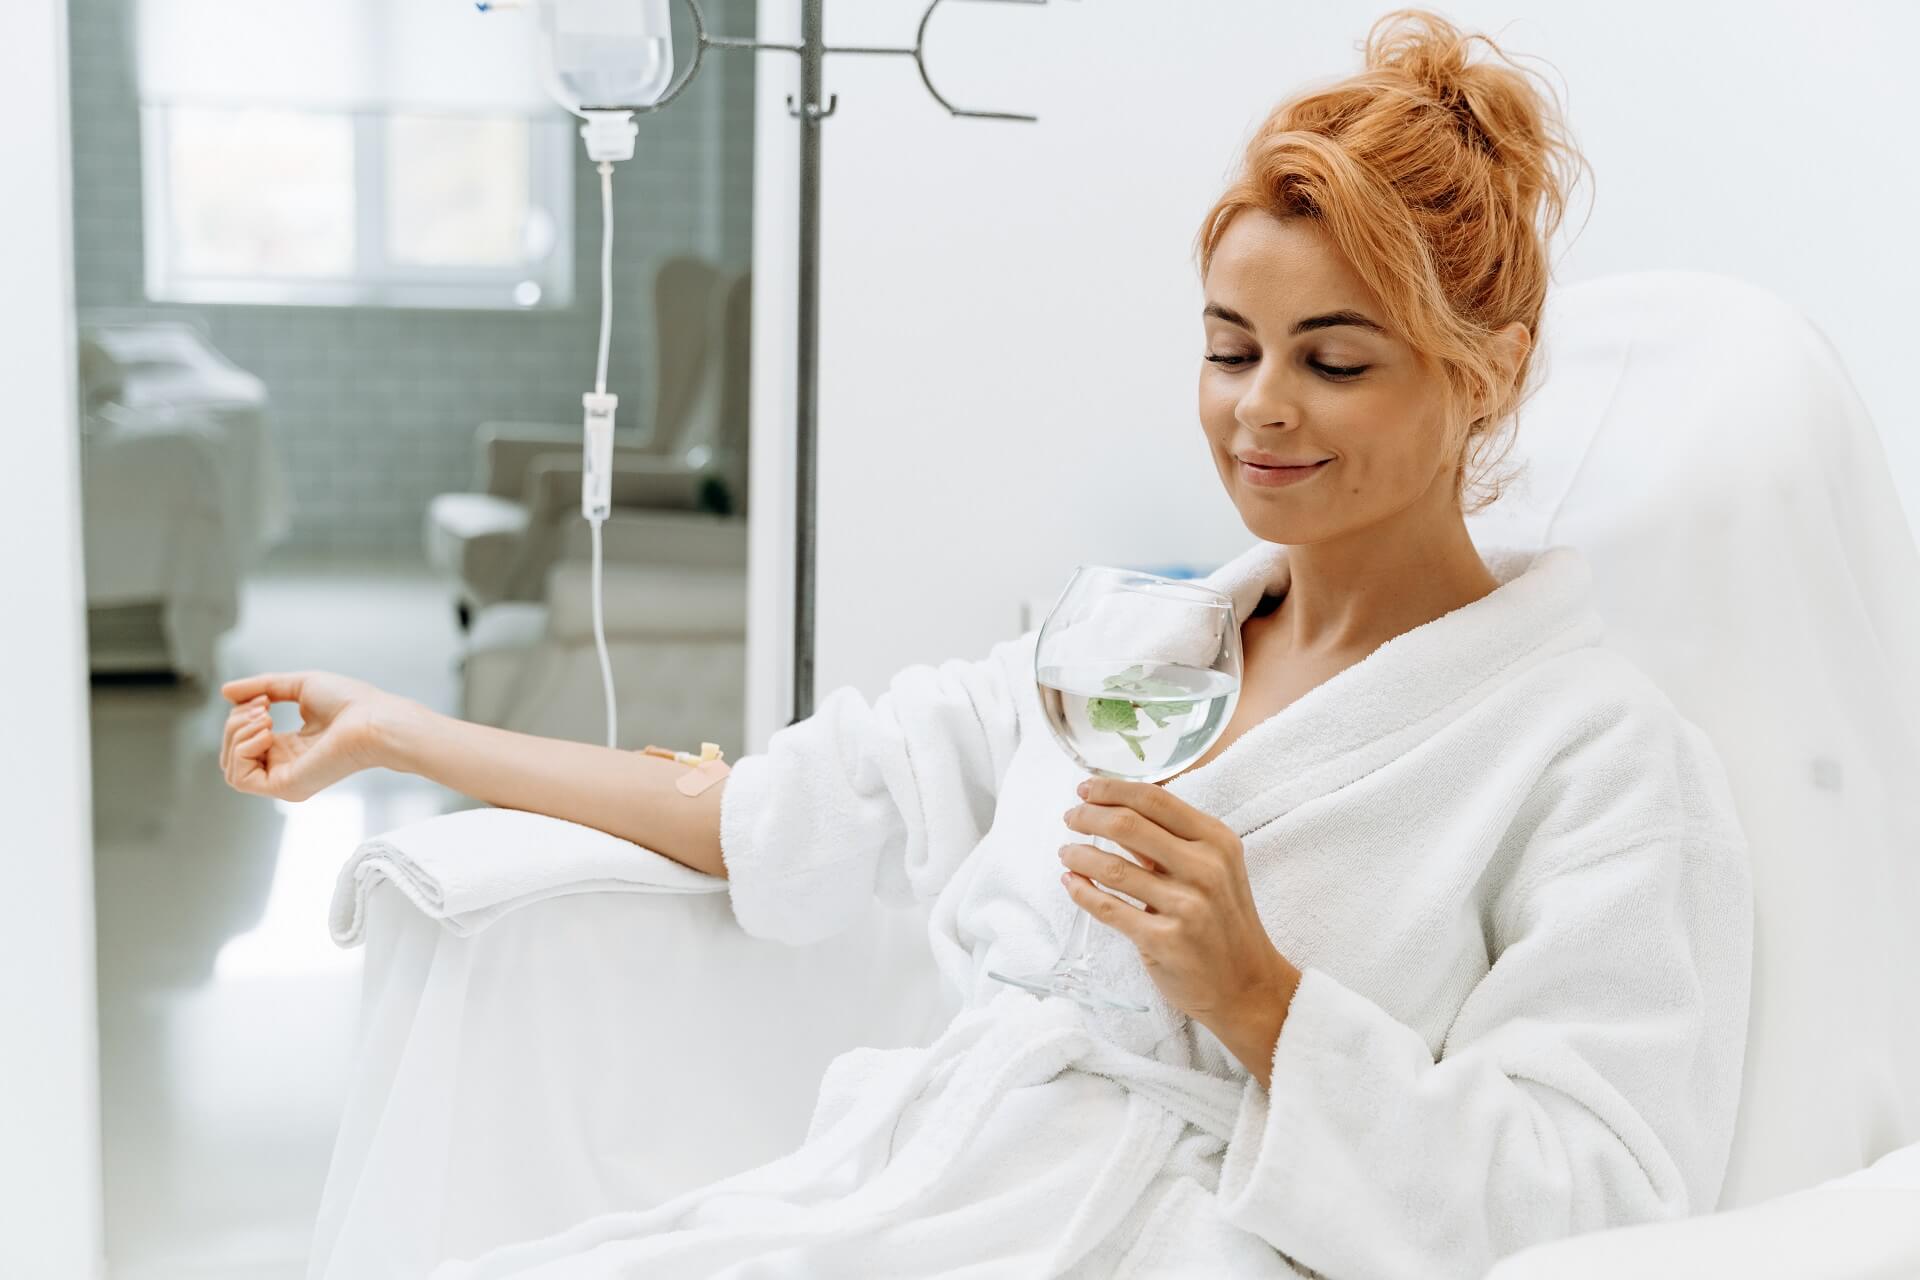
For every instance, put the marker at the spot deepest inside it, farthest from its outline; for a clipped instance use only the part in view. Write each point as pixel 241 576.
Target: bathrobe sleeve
pixel 872 799
pixel 1590 1079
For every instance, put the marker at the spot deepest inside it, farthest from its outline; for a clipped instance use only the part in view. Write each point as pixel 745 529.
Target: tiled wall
pixel 374 409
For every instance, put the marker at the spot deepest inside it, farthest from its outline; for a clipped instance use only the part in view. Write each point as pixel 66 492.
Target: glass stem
pixel 1077 954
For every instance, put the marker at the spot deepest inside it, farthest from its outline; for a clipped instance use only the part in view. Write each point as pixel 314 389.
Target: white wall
pixel 49 1078
pixel 1011 314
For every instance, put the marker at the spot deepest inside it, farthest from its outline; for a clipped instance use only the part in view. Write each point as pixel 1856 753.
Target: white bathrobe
pixel 1509 870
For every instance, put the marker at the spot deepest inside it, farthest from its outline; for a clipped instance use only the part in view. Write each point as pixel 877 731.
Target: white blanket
pixel 1509 869
pixel 469 868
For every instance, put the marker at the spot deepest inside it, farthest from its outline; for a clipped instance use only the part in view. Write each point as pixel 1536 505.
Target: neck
pixel 1364 587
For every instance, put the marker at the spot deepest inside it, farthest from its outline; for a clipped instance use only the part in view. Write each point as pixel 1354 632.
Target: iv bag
pixel 606 53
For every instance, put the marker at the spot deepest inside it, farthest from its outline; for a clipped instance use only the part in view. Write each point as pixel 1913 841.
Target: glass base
pixel 1066 980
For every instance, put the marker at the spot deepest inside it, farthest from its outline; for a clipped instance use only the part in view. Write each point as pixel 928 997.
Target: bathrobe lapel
pixel 1360 720
pixel 1399 694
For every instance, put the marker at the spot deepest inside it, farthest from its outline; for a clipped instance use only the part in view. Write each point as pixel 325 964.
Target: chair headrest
pixel 1698 439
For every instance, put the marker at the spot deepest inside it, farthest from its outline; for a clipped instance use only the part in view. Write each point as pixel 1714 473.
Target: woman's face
pixel 1300 367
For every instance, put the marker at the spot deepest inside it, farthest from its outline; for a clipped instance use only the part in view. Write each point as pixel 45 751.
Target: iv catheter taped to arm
pixel 707 767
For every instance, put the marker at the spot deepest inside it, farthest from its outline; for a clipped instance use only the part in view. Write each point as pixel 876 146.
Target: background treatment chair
pixel 497 542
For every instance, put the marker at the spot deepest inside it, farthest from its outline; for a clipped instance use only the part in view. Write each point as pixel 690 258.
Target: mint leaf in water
pixel 1165 711
pixel 1119 714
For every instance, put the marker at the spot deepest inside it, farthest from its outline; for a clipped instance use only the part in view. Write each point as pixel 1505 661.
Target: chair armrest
pixel 1838 1231
pixel 648 483
pixel 690 539
pixel 509 450
pixel 666 574
pixel 647 602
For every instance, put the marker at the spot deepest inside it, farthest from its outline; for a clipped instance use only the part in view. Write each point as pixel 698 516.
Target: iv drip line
pixel 606 272
pixel 600 389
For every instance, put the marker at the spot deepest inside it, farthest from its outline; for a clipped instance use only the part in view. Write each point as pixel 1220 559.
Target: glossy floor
pixel 227 1015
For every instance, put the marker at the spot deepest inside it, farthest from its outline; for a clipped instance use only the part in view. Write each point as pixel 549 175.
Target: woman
pixel 1446 941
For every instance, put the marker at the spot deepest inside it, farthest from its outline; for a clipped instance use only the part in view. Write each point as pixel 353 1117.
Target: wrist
pixel 396 730
pixel 1261 1015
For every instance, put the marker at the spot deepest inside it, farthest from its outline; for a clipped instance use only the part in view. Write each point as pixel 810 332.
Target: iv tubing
pixel 606 272
pixel 600 385
pixel 600 640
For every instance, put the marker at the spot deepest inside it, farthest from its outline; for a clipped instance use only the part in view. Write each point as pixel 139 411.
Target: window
pixel 268 205
pixel 361 153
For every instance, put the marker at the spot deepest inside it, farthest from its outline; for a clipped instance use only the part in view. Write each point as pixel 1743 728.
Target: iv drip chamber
pixel 606 53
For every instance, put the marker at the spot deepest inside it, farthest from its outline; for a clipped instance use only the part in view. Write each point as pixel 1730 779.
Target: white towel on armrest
pixel 468 868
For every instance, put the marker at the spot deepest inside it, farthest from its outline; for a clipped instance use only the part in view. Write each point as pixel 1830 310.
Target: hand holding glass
pixel 1138 675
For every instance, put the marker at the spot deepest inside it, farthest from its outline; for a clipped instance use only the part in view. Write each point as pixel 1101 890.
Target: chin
pixel 1264 520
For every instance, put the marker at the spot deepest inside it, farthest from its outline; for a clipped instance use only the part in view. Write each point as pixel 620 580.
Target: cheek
pixel 1215 401
pixel 1217 419
pixel 1378 423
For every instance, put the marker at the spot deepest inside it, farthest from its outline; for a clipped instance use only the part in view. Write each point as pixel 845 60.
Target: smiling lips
pixel 1254 457
pixel 1282 474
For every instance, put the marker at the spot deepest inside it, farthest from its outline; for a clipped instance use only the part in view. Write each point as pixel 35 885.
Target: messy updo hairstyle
pixel 1441 180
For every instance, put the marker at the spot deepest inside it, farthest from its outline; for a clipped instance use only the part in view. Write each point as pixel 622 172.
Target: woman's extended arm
pixel 861 799
pixel 624 793
pixel 347 725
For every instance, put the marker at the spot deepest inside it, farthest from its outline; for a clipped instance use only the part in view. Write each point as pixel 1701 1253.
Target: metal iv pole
pixel 810 112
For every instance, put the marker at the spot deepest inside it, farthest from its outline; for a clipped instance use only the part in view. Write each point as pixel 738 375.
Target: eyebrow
pixel 1329 320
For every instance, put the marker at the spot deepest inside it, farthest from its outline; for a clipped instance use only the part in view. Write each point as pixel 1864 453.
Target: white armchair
pixel 497 542
pixel 655 1021
pixel 456 1138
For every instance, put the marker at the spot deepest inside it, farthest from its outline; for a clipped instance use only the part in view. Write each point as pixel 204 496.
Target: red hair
pixel 1441 181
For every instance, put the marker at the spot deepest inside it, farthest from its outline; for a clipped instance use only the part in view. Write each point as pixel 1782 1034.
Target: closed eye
pixel 1332 372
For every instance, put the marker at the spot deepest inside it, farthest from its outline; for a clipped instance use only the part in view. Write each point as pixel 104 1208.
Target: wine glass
pixel 1138 675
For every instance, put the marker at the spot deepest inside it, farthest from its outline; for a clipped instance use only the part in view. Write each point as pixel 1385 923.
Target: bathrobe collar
pixel 1398 694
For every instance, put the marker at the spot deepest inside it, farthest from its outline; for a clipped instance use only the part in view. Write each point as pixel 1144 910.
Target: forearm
pixel 624 793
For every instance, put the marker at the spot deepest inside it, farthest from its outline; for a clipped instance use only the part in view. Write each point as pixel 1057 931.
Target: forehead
pixel 1282 268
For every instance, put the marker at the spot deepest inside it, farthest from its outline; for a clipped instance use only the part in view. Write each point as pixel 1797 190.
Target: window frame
pixel 375 280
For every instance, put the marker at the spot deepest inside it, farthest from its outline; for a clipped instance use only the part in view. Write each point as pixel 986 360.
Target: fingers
pixel 1119 915
pixel 246 768
pixel 1114 872
pixel 1134 832
pixel 1155 802
pixel 242 722
pixel 277 686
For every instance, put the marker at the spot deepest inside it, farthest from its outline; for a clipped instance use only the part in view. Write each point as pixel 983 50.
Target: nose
pixel 1268 400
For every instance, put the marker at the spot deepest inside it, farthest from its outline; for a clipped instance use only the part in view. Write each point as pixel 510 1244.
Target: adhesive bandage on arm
pixel 704 770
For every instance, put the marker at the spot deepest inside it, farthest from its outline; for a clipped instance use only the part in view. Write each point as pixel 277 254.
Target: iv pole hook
pixel 920 61
pixel 919 55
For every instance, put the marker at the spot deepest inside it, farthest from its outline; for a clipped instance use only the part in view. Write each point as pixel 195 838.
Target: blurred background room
pixel 337 277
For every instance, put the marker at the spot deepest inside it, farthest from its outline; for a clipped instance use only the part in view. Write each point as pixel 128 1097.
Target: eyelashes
pixel 1332 372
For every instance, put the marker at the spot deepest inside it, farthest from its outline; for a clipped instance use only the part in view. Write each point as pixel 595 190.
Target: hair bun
pixel 1492 104
pixel 1421 46
pixel 1496 105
